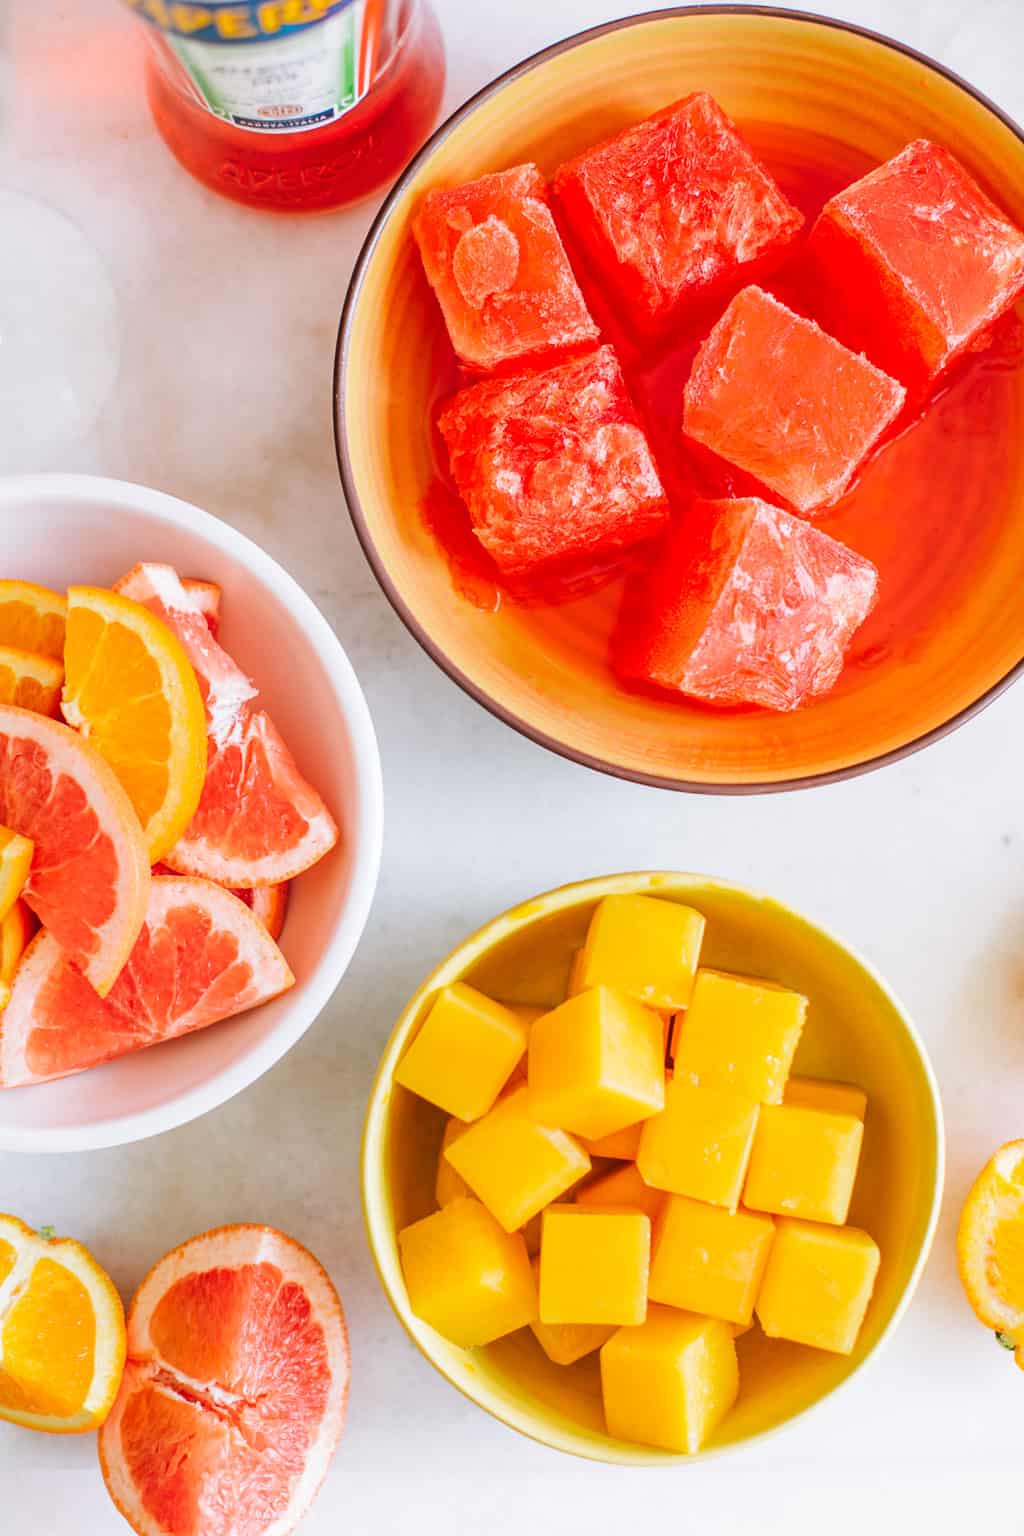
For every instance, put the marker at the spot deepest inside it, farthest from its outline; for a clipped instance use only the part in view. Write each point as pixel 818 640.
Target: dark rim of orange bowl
pixel 359 520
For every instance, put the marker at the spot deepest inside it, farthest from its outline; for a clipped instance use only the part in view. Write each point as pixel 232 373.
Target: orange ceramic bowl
pixel 939 511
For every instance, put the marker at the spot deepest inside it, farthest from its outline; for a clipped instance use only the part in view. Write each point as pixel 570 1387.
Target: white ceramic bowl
pixel 57 529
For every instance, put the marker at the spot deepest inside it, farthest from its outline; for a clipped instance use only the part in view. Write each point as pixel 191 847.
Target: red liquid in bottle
pixel 326 166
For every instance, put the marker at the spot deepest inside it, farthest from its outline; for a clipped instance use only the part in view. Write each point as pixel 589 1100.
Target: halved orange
pixel 30 680
pixel 89 880
pixel 201 957
pixel 131 691
pixel 62 1332
pixel 32 618
pixel 234 1398
pixel 16 930
pixel 15 863
pixel 990 1247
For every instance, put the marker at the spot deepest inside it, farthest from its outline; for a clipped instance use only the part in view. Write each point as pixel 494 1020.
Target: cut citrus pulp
pixel 89 880
pixel 32 618
pixel 62 1333
pixel 201 956
pixel 15 863
pixel 15 931
pixel 990 1247
pixel 233 1401
pixel 29 680
pixel 259 822
pixel 131 691
pixel 267 902
pixel 206 595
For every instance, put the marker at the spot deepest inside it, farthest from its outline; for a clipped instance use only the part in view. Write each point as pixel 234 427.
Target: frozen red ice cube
pixel 673 210
pixel 554 465
pixel 773 394
pixel 914 263
pixel 496 262
pixel 743 603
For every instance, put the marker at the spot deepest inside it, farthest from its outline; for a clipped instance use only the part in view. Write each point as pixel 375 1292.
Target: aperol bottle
pixel 293 105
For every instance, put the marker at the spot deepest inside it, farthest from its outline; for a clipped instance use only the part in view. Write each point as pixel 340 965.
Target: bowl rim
pixel 515 918
pixel 360 523
pixel 366 836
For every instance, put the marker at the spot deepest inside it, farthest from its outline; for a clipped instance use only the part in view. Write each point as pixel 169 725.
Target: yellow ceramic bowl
pixel 940 512
pixel 856 1031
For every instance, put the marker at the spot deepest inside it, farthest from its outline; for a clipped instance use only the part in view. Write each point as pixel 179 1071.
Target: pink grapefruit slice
pixel 267 902
pixel 233 1400
pixel 89 879
pixel 201 956
pixel 259 822
pixel 207 595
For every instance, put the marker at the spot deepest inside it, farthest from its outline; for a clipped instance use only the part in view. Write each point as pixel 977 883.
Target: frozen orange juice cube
pixel 818 1284
pixel 624 1144
pixel 625 1188
pixel 565 1343
pixel 700 1143
pixel 465 1276
pixel 464 1054
pixel 709 1260
pixel 515 1165
pixel 448 1186
pixel 819 1093
pixel 594 1262
pixel 740 1033
pixel 596 1064
pixel 669 1382
pixel 643 946
pixel 803 1163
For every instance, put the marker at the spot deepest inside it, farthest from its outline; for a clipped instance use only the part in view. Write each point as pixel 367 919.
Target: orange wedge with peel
pixel 29 680
pixel 131 691
pixel 990 1247
pixel 89 880
pixel 15 863
pixel 62 1332
pixel 32 618
pixel 234 1397
pixel 16 930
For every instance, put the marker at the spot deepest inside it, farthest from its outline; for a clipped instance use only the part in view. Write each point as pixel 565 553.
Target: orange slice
pixel 15 863
pixel 62 1333
pixel 990 1247
pixel 259 822
pixel 233 1402
pixel 32 618
pixel 131 691
pixel 201 957
pixel 89 880
pixel 29 680
pixel 15 931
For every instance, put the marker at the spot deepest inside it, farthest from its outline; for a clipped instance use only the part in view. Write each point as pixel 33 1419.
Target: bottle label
pixel 273 65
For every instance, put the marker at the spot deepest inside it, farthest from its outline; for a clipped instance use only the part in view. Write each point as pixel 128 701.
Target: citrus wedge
pixel 233 1401
pixel 89 880
pixel 62 1334
pixel 990 1247
pixel 206 595
pixel 131 691
pixel 269 903
pixel 15 863
pixel 15 931
pixel 30 680
pixel 201 957
pixel 32 618
pixel 259 822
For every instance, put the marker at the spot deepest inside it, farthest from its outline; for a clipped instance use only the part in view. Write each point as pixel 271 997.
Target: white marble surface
pixel 223 396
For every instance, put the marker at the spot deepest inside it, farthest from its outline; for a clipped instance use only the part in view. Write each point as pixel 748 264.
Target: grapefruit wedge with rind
pixel 267 902
pixel 234 1396
pixel 990 1247
pixel 259 822
pixel 62 1333
pixel 131 691
pixel 89 879
pixel 200 957
pixel 207 595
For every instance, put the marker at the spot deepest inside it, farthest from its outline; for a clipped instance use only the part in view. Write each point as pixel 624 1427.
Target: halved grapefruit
pixel 234 1396
pixel 259 822
pixel 89 879
pixel 201 956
